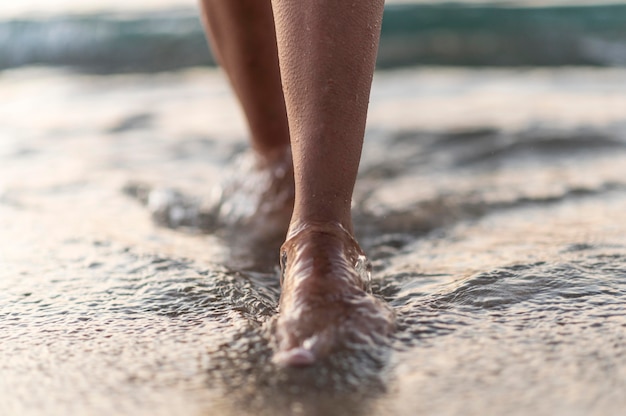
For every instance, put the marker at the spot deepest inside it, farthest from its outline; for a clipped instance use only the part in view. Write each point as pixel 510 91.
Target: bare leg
pixel 243 40
pixel 327 51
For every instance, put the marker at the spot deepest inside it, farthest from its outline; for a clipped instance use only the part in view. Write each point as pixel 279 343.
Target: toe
pixel 295 357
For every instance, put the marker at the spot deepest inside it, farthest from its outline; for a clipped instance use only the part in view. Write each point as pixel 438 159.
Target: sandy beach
pixel 492 204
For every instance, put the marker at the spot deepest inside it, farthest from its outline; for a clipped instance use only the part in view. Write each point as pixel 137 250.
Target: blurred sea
pixel 30 8
pixel 162 35
pixel 491 201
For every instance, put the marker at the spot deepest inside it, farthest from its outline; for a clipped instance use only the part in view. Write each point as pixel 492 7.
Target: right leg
pixel 327 51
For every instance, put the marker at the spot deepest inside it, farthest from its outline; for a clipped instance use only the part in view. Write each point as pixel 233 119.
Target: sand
pixel 491 202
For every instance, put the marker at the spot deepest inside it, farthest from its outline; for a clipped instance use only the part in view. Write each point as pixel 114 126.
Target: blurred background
pixel 156 35
pixel 491 201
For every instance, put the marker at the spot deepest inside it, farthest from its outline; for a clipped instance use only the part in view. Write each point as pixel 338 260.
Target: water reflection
pixel 502 253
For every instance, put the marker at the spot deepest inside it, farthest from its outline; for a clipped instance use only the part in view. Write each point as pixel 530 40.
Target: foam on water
pixel 502 254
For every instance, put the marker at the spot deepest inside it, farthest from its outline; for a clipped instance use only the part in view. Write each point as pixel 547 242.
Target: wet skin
pixel 325 304
pixel 256 197
pixel 302 72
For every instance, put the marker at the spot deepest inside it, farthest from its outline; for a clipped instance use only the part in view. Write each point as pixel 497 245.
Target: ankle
pixel 331 224
pixel 274 157
pixel 328 251
pixel 300 227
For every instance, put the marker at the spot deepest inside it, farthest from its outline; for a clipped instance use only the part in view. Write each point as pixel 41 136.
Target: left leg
pixel 243 40
pixel 258 195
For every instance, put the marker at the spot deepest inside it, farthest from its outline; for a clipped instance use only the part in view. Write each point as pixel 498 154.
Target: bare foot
pixel 325 304
pixel 254 200
pixel 257 196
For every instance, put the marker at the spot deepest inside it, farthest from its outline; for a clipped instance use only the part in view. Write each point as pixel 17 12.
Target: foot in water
pixel 325 305
pixel 256 197
pixel 253 200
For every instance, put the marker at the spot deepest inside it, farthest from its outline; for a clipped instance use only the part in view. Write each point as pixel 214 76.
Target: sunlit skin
pixel 302 70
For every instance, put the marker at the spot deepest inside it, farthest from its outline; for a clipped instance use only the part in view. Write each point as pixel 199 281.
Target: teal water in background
pixel 507 34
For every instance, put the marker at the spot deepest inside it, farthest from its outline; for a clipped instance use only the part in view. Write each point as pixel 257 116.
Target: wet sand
pixel 492 204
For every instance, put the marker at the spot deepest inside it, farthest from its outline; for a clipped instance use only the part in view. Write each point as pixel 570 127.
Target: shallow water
pixel 501 249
